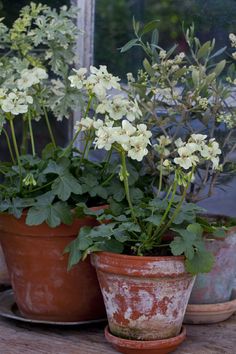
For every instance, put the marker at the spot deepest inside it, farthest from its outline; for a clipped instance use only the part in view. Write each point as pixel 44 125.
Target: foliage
pixel 181 95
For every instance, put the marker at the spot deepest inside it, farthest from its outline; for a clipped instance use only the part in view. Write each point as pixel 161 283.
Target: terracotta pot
pixel 161 346
pixel 43 287
pixel 4 275
pixel 145 297
pixel 216 286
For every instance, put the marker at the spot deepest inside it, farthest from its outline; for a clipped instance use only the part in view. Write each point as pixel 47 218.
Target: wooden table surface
pixel 22 338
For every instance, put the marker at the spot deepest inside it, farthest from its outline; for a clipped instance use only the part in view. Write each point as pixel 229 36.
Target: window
pixel 113 26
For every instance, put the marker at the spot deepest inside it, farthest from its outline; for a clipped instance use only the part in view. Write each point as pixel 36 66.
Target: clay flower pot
pixel 43 288
pixel 211 298
pixel 4 275
pixel 217 285
pixel 145 297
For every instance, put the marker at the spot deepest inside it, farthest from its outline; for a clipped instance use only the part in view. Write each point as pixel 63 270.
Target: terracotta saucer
pixel 161 346
pixel 210 313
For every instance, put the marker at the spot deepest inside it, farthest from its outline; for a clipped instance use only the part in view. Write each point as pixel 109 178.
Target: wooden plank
pixel 20 338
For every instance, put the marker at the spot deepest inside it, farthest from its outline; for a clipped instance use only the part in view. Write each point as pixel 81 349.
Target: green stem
pixel 79 130
pixel 16 148
pixel 49 127
pixel 31 134
pixel 160 177
pixel 15 142
pixel 126 185
pixel 9 145
pixel 24 137
pixel 158 231
pixel 177 210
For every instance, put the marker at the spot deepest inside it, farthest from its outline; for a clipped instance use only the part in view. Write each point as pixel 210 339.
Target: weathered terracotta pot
pixel 216 286
pixel 43 287
pixel 145 297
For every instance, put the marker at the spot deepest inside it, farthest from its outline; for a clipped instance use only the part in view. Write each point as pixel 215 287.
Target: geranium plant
pixel 36 84
pixel 181 94
pixel 156 222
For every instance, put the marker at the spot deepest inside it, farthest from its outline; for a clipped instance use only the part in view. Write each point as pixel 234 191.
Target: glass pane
pixel 113 26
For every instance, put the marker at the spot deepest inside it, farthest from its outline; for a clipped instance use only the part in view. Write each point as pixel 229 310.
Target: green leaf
pixel 74 254
pixel 195 229
pixel 129 45
pixel 147 66
pixel 150 26
pixel 154 219
pixel 64 212
pixel 202 262
pixel 204 50
pixel 218 52
pixel 219 233
pixel 84 241
pixel 65 185
pixel 36 216
pixel 219 67
pixel 183 245
pixel 112 246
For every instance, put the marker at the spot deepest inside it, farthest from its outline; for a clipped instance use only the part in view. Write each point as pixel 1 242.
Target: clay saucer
pixel 160 346
pixel 210 313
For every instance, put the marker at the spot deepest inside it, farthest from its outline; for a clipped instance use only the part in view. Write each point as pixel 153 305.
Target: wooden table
pixel 21 338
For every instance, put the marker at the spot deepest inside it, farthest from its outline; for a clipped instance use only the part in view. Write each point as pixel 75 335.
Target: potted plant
pixel 148 249
pixel 181 94
pixel 42 194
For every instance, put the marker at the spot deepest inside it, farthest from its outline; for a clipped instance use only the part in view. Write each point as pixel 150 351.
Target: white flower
pixel 84 124
pixel 211 152
pixel 16 102
pixel 30 77
pixel 179 143
pixel 142 130
pixel 107 80
pixel 132 110
pixel 138 148
pixel 186 157
pixel 128 128
pixel 78 79
pixel 164 140
pixel 105 138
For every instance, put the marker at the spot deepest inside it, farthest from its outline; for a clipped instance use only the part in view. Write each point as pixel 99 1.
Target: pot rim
pixel 141 258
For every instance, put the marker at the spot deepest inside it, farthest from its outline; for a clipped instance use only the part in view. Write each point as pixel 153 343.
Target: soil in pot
pixel 145 297
pixel 43 287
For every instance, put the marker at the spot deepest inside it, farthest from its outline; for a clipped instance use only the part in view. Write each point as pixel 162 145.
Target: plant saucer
pixel 160 346
pixel 210 313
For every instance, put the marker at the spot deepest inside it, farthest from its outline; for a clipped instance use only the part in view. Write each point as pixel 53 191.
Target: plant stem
pixel 15 142
pixel 49 127
pixel 24 137
pixel 160 177
pixel 126 185
pixel 31 134
pixel 9 145
pixel 16 148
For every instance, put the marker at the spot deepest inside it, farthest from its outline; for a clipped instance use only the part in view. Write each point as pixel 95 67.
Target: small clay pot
pixel 43 288
pixel 216 286
pixel 145 297
pixel 161 346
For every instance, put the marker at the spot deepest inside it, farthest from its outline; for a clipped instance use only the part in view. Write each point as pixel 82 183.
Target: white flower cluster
pixel 161 146
pixel 31 77
pixel 16 102
pixel 119 127
pixel 196 150
pixel 118 107
pixel 98 82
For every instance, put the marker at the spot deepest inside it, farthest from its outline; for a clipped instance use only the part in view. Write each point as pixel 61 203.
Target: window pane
pixel 113 26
